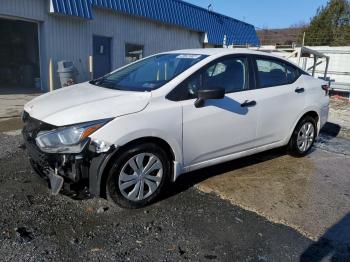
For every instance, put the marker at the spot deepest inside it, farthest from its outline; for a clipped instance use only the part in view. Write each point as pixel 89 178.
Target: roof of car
pixel 226 51
pixel 223 51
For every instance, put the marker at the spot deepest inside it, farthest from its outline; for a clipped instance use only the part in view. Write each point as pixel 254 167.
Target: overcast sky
pixel 265 13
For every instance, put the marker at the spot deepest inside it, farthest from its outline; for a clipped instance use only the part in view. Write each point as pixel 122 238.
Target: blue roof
pixel 174 12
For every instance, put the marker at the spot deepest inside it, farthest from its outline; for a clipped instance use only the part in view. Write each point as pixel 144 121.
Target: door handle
pixel 299 90
pixel 248 103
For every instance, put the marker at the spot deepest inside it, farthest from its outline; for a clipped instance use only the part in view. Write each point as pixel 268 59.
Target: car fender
pixel 97 174
pixel 300 115
pixel 152 133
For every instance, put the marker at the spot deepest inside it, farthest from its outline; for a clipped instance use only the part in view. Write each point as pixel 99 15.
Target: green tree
pixel 331 25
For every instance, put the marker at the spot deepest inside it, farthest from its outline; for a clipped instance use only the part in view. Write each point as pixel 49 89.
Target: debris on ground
pixel 24 235
pixel 101 210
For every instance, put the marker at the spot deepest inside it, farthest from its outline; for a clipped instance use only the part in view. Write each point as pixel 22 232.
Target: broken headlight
pixel 71 139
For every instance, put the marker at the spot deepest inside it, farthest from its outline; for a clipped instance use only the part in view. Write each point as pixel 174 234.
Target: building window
pixel 133 53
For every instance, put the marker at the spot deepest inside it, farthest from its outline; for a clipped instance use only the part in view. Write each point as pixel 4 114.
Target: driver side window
pixel 229 73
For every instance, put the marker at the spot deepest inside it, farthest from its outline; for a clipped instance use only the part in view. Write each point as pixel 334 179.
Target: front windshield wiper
pixel 96 81
pixel 103 82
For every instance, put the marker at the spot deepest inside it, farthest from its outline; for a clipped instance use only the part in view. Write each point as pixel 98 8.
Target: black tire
pixel 293 148
pixel 112 185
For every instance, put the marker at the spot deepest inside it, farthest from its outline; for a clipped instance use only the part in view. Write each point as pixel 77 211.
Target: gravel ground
pixel 187 225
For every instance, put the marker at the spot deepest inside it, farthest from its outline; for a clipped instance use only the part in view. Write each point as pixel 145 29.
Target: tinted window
pixel 229 74
pixel 292 73
pixel 274 73
pixel 150 73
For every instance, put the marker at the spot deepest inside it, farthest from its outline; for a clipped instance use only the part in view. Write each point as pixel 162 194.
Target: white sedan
pixel 128 134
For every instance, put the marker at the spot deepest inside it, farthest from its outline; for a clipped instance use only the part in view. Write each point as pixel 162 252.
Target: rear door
pixel 280 98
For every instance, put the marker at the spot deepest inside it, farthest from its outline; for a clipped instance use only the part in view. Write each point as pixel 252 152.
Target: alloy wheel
pixel 305 137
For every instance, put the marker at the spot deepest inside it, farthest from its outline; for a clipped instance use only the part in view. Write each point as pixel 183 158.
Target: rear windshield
pixel 150 73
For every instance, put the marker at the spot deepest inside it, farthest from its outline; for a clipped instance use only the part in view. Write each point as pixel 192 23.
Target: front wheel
pixel 303 137
pixel 138 176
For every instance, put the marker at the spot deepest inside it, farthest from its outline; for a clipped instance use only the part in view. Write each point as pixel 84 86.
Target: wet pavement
pixel 12 100
pixel 309 194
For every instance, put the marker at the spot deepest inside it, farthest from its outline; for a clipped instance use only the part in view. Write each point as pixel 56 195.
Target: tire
pixel 299 145
pixel 131 182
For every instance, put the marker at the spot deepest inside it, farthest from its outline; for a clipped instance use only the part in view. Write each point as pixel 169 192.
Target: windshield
pixel 150 73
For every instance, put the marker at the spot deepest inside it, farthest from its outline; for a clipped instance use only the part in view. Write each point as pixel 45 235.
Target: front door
pixel 101 56
pixel 221 127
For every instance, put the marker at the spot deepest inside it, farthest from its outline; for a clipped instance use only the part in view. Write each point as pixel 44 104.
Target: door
pixel 19 56
pixel 221 127
pixel 101 56
pixel 280 96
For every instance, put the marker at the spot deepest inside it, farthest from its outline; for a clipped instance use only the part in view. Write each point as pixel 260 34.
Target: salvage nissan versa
pixel 128 134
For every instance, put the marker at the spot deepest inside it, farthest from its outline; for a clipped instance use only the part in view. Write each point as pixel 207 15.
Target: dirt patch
pixel 10 124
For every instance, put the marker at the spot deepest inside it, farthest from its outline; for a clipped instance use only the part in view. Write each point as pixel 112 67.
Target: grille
pixel 33 126
pixel 30 130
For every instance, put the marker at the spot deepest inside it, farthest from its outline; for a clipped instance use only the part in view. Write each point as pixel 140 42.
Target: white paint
pixel 199 137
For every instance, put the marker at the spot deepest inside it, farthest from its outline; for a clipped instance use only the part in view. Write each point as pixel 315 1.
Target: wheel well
pixel 155 140
pixel 312 114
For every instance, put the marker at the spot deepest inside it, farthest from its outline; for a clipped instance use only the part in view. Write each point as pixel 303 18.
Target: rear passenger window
pixel 274 73
pixel 292 73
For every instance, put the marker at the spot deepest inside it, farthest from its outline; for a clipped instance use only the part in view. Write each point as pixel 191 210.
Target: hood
pixel 85 102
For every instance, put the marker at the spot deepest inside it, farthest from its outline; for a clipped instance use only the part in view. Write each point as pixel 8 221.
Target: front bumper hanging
pixel 56 182
pixel 71 174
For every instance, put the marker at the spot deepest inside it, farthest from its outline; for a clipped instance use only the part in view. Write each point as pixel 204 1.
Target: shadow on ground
pixel 331 129
pixel 334 245
pixel 190 179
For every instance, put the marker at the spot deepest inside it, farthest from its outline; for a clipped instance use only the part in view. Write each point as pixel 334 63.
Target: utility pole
pixel 303 39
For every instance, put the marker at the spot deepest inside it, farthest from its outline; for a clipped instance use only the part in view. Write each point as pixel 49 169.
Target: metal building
pixel 101 35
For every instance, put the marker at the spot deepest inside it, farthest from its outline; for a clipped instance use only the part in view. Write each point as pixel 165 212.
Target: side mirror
pixel 214 93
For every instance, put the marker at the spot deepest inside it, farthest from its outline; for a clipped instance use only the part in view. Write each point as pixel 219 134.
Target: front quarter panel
pixel 161 119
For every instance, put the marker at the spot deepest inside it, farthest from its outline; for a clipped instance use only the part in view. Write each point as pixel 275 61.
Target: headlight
pixel 71 139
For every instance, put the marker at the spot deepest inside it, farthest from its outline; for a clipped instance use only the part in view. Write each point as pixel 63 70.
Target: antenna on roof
pixel 210 7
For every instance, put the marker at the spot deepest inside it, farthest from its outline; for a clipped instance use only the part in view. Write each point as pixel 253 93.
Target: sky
pixel 265 13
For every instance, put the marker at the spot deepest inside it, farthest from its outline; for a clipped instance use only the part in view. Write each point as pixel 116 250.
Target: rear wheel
pixel 303 137
pixel 138 176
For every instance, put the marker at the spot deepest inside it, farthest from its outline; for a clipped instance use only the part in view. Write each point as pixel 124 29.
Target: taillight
pixel 325 88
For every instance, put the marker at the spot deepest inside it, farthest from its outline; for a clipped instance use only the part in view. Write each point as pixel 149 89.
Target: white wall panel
pixel 68 38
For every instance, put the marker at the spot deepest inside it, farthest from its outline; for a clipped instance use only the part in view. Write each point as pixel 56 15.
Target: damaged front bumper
pixel 67 173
